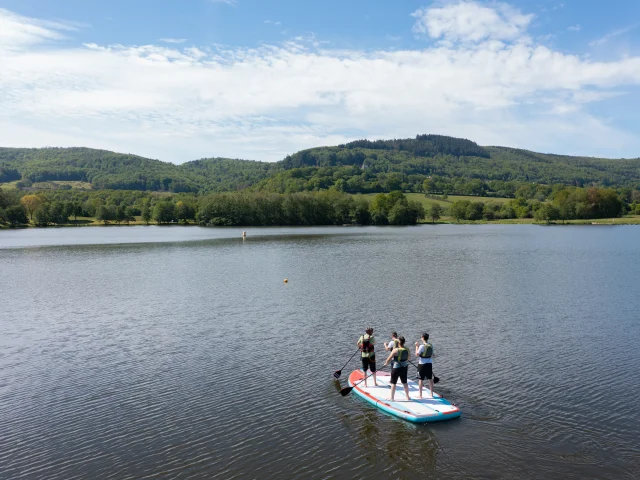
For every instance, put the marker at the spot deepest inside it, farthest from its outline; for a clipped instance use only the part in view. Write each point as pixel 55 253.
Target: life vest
pixel 402 356
pixel 427 351
pixel 367 346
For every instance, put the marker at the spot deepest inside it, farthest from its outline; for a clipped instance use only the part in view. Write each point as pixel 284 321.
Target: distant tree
pixel 360 212
pixel 435 212
pixel 146 213
pixel 16 215
pixel 459 209
pixel 184 212
pixel 474 211
pixel 547 213
pixel 57 213
pixel 379 209
pixel 164 212
pixel 31 204
pixel 129 215
pixel 120 214
pixel 399 214
pixel 41 216
pixel 76 210
pixel 106 213
pixel 416 212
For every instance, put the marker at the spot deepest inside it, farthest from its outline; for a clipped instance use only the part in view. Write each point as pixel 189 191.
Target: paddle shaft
pixel 347 390
pixel 350 358
pixel 372 373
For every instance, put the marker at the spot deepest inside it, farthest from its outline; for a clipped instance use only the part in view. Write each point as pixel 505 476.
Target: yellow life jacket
pixel 427 351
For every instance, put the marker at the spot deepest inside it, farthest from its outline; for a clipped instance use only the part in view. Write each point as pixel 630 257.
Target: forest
pixel 433 163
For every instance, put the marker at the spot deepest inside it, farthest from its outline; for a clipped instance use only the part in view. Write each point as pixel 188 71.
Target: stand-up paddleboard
pixel 418 410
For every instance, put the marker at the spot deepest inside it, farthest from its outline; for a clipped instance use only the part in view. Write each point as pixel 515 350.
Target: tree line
pixel 58 207
pixel 321 208
pixel 563 204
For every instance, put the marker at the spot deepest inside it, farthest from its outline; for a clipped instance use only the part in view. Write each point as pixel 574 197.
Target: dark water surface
pixel 149 352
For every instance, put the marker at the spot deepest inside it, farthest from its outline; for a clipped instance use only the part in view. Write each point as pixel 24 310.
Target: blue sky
pixel 179 80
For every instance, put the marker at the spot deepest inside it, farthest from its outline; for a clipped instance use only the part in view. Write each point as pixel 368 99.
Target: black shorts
pixel 425 370
pixel 399 372
pixel 369 363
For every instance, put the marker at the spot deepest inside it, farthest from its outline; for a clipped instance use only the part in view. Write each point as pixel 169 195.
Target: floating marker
pixel 286 280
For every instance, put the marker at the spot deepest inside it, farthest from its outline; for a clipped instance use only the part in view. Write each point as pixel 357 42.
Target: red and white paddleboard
pixel 416 410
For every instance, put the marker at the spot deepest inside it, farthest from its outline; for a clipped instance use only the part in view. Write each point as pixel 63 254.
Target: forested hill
pixel 438 164
pixel 429 163
pixel 108 170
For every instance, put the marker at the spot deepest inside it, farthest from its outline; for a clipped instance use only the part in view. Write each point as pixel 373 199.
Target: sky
pixel 180 80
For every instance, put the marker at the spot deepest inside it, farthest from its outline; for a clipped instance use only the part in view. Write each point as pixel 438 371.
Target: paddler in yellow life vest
pixel 424 352
pixel 399 368
pixel 366 344
pixel 393 343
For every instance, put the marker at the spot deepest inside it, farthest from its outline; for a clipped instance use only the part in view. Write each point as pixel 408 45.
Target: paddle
pixel 435 379
pixel 347 390
pixel 337 373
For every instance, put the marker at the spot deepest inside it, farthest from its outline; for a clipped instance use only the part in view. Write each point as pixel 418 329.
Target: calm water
pixel 149 352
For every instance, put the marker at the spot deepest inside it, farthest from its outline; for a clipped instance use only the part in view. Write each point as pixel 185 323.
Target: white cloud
pixel 616 33
pixel 172 40
pixel 468 21
pixel 179 103
pixel 574 28
pixel 272 22
pixel 18 31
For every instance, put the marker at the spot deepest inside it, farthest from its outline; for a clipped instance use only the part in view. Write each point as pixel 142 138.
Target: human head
pixel 401 340
pixel 369 330
pixel 394 334
pixel 425 337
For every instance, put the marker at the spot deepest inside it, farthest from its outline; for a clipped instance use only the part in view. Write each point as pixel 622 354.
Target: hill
pixel 109 170
pixel 429 163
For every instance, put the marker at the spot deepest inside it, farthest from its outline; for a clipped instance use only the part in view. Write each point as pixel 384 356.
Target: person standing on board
pixel 424 352
pixel 399 368
pixel 366 344
pixel 393 343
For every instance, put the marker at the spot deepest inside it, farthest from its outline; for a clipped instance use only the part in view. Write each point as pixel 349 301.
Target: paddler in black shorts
pixel 424 352
pixel 399 368
pixel 366 344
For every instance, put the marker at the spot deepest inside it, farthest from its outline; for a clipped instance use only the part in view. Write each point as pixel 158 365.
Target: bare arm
pixel 393 353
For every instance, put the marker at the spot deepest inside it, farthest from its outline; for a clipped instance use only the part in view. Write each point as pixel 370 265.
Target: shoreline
pixel 630 220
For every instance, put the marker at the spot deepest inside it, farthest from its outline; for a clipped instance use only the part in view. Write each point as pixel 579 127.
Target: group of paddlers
pixel 399 358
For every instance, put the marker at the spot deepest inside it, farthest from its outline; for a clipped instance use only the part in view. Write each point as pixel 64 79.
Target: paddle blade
pixel 435 379
pixel 346 391
pixel 337 373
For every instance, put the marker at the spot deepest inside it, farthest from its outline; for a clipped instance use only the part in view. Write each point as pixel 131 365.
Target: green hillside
pixel 427 163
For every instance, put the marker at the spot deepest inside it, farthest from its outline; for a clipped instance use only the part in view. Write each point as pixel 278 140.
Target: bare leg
pixel 393 391
pixel 375 380
pixel 431 386
pixel 406 390
pixel 420 387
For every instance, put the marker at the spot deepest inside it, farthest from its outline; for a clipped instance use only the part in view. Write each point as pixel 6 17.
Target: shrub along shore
pixel 328 207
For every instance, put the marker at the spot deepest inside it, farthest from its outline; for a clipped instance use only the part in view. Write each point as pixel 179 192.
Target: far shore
pixel 93 222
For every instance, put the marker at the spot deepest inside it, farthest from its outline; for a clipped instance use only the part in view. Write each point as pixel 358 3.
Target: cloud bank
pixel 479 76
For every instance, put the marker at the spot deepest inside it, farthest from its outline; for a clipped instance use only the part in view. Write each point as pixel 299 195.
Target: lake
pixel 179 352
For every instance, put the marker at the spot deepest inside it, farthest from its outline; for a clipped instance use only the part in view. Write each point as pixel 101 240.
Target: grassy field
pixel 427 201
